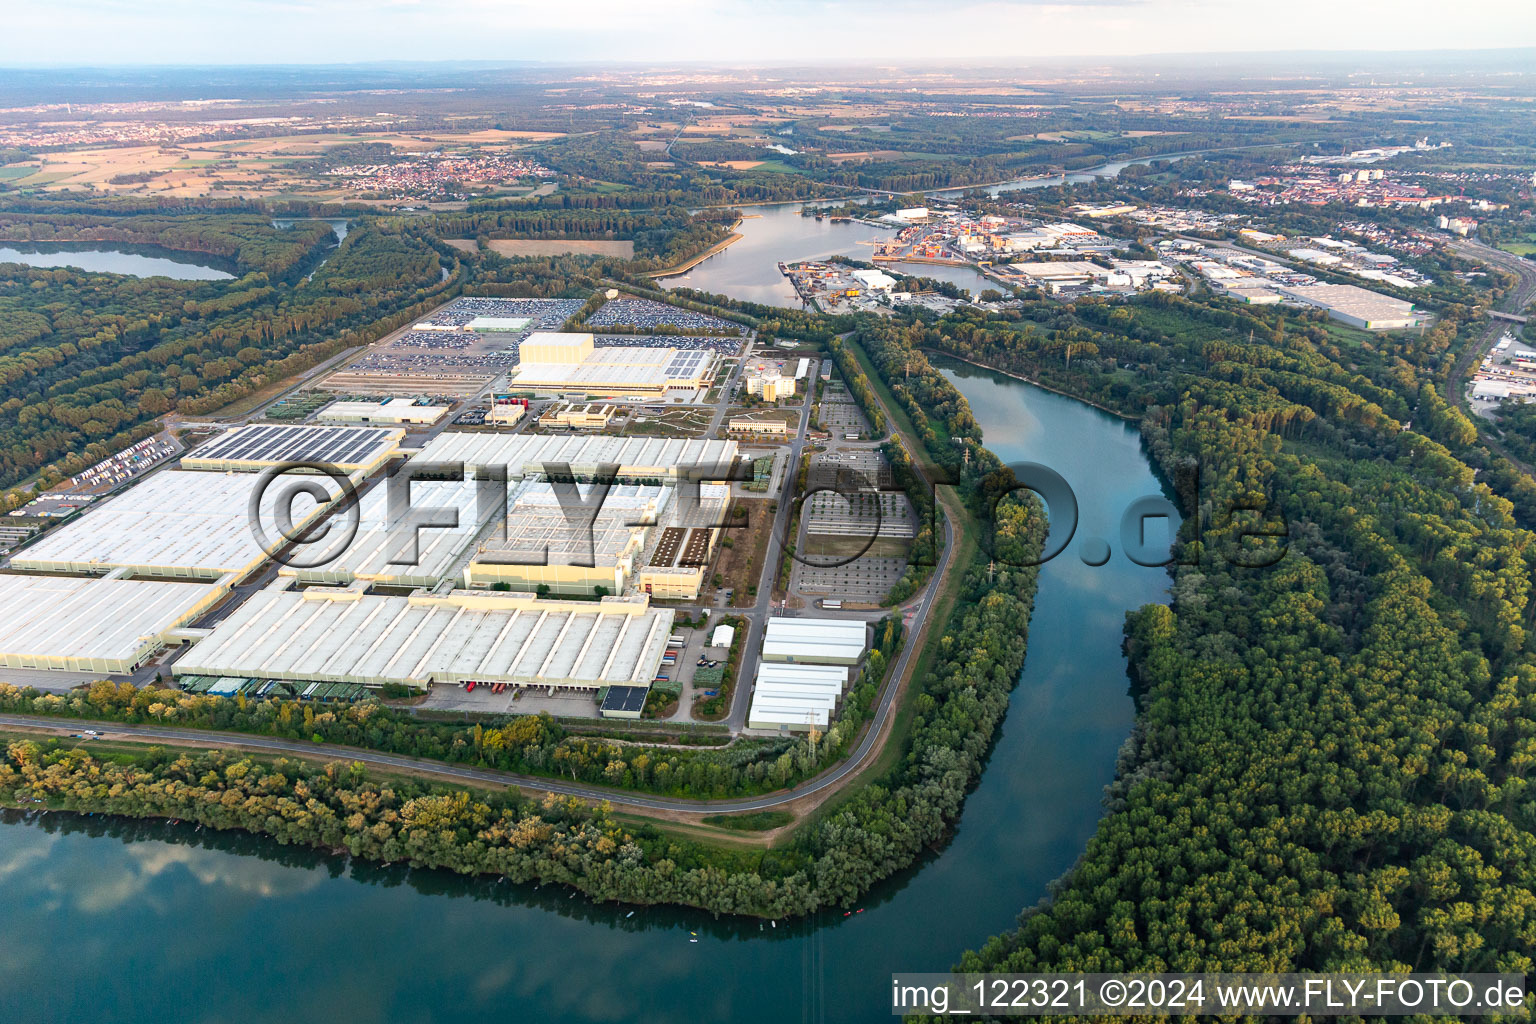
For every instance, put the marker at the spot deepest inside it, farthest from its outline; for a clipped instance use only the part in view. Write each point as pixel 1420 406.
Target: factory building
pixel 568 545
pixel 507 411
pixel 795 698
pixel 384 552
pixel 568 364
pixel 346 636
pixel 771 428
pixel 675 569
pixel 357 451
pixel 574 546
pixel 550 347
pixel 93 625
pixel 175 524
pixel 394 411
pixel 635 458
pixel 585 416
pixel 814 641
pixel 1355 306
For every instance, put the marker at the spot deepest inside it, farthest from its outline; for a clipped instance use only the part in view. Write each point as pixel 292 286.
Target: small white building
pixel 722 636
pixel 394 411
pixel 875 280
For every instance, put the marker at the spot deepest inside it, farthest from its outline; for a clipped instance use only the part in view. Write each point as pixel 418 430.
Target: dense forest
pixel 1330 765
pixel 87 361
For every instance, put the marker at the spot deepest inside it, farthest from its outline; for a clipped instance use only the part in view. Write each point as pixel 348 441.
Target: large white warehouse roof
pixel 834 641
pixel 173 524
pixel 522 454
pixel 378 551
pixel 92 625
pixel 324 635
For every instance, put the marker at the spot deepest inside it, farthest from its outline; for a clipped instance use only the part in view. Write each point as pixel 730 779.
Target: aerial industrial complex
pixel 570 365
pixel 537 548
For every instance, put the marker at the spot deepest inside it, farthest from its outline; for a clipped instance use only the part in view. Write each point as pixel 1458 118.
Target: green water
pixel 148 922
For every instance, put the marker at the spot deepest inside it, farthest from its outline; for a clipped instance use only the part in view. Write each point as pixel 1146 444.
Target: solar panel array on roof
pixel 689 362
pixel 624 699
pixel 344 447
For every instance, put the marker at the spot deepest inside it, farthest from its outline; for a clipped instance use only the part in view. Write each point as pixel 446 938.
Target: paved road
pixel 757 615
pixel 1516 300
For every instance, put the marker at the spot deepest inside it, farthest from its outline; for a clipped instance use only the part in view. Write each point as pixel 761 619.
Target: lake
pixel 147 922
pixel 770 235
pixel 134 261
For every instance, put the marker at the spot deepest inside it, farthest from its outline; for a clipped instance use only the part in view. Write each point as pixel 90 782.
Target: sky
pixel 77 32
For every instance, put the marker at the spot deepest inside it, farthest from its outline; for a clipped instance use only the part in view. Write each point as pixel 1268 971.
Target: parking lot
pixel 841 416
pixel 645 314
pixel 865 580
pixel 448 697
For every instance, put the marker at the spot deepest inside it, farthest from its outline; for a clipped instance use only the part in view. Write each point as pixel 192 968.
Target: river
pixel 338 224
pixel 146 922
pixel 134 261
pixel 749 268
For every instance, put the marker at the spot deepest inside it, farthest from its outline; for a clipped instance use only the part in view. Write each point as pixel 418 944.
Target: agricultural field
pixel 516 247
pixel 246 168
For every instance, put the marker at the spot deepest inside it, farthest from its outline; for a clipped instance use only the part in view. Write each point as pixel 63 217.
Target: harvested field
pixel 514 247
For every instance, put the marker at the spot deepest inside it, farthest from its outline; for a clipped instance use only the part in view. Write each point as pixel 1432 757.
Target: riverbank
pixel 683 268
pixel 1033 383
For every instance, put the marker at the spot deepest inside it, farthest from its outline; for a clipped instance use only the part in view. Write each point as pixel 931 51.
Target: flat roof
pixel 324 635
pixel 618 367
pixel 376 551
pixel 625 698
pixel 1353 301
pixel 559 339
pixel 401 408
pixel 812 638
pixel 499 323
pixel 544 530
pixel 51 617
pixel 795 695
pixel 174 519
pixel 523 454
pixel 347 448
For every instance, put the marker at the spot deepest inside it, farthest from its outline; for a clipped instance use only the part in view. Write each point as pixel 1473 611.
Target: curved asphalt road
pixel 917 609
pixel 830 778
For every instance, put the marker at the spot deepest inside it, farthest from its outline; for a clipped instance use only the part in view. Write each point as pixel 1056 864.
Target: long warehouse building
pixel 794 698
pixel 346 636
pixel 356 451
pixel 637 458
pixel 93 625
pixel 814 641
pixel 175 524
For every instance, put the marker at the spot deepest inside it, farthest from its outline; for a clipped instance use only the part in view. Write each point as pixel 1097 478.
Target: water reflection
pixel 130 260
pixel 310 936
